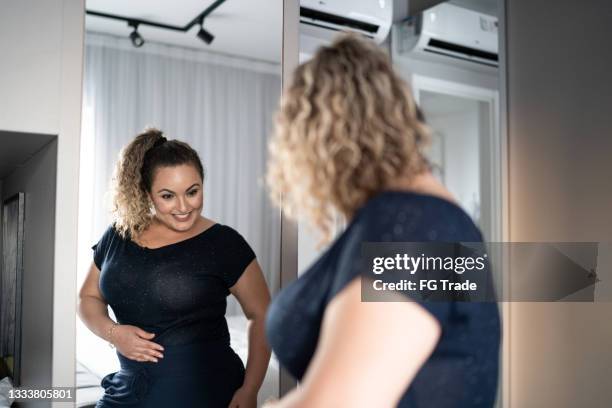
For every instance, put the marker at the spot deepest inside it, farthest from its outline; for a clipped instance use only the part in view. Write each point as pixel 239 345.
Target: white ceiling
pixel 482 6
pixel 246 28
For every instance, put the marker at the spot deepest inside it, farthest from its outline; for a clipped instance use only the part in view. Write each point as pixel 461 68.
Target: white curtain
pixel 222 106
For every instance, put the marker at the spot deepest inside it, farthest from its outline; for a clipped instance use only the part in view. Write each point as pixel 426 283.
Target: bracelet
pixel 110 334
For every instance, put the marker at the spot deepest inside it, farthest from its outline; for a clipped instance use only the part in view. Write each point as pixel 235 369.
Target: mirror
pixel 217 90
pixel 11 282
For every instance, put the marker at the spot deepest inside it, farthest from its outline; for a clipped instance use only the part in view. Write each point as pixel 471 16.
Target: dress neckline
pixel 198 235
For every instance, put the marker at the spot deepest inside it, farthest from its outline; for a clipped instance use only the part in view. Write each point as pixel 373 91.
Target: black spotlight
pixel 205 35
pixel 137 40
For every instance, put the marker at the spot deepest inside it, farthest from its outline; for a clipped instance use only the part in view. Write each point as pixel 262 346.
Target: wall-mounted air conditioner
pixel 450 31
pixel 322 20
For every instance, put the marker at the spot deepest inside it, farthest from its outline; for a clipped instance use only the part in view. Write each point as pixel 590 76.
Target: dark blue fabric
pixel 463 369
pixel 202 375
pixel 179 293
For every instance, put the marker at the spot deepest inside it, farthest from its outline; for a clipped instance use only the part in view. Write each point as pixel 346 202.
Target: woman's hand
pixel 244 398
pixel 134 343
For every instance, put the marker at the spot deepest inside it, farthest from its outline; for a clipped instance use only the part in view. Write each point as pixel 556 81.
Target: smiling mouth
pixel 182 217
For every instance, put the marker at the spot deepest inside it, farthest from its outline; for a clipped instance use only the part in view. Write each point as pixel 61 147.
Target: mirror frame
pixel 289 229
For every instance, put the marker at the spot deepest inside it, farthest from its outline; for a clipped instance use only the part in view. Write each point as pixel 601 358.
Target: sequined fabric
pixel 177 291
pixel 200 375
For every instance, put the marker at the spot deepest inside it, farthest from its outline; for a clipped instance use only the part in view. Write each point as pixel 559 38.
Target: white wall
pixel 461 154
pixel 30 38
pixel 36 178
pixel 41 48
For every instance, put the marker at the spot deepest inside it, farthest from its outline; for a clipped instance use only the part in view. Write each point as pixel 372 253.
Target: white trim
pixel 289 228
pixel 504 399
pixel 421 82
pixel 95 39
pixel 67 194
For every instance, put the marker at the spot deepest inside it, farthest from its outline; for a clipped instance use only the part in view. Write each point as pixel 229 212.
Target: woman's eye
pixel 192 193
pixel 166 196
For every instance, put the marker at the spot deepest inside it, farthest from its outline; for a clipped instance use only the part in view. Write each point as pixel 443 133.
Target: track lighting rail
pixel 135 22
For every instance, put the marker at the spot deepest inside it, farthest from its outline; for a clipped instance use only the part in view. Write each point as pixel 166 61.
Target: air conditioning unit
pixel 322 20
pixel 450 31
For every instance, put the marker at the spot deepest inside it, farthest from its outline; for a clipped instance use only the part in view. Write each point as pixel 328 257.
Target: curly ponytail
pixel 131 205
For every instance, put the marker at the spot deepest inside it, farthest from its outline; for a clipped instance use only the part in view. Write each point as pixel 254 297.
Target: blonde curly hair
pixel 132 208
pixel 346 128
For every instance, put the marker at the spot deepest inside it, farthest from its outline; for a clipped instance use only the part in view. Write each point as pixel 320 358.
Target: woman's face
pixel 177 196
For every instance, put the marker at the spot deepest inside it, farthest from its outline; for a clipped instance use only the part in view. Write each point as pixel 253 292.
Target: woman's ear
pixel 151 203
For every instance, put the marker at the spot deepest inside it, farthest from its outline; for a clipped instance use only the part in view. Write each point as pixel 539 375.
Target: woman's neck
pixel 424 183
pixel 158 228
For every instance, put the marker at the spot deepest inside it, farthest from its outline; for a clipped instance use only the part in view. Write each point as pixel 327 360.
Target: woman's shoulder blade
pixel 393 217
pixel 396 216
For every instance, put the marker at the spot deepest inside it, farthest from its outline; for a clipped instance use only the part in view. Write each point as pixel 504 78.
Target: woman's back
pixel 463 368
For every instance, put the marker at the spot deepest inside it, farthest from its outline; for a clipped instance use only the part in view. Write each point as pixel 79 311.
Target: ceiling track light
pixel 205 35
pixel 137 39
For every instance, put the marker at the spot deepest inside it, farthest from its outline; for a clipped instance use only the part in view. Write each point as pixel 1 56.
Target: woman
pixel 349 140
pixel 166 272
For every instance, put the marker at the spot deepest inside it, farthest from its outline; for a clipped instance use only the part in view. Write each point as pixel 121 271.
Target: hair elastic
pixel 160 141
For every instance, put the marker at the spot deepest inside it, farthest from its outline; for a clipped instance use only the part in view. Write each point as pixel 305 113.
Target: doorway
pixel 466 148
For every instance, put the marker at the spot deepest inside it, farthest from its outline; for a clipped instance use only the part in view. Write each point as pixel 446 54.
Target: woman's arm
pixel 92 307
pixel 254 297
pixel 368 353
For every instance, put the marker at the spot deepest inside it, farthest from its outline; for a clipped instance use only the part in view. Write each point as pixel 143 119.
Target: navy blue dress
pixel 462 371
pixel 179 293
